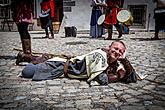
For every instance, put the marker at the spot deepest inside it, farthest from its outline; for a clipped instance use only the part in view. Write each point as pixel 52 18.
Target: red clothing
pixel 45 6
pixel 111 16
pixel 48 5
pixel 52 7
pixel 113 3
pixel 22 11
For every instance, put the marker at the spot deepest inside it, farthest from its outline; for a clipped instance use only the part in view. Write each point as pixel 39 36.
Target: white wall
pixel 80 15
pixel 150 10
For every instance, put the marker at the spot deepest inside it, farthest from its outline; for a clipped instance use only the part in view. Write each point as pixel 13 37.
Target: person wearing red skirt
pixel 113 7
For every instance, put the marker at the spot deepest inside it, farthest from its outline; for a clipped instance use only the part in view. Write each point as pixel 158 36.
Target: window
pixel 4 9
pixel 139 14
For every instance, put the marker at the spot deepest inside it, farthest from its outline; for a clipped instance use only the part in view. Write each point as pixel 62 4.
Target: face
pixel 116 51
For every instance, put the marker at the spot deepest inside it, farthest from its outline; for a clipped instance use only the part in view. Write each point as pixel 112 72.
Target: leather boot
pixel 26 55
pixel 119 31
pixel 109 35
pixel 156 36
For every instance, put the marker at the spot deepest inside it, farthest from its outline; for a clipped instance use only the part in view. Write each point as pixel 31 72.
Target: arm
pixel 45 12
pixel 100 3
pixel 115 77
pixel 131 75
pixel 115 72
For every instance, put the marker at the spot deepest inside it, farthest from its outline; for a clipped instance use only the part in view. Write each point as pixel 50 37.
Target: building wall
pixel 150 11
pixel 80 14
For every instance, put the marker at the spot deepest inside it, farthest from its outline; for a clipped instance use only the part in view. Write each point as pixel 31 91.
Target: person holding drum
pixel 113 7
pixel 47 9
pixel 159 15
pixel 96 30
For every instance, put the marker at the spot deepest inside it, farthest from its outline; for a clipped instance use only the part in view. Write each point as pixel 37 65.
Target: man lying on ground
pixel 105 65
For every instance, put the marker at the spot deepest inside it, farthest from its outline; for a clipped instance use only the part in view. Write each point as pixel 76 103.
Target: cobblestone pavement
pixel 147 56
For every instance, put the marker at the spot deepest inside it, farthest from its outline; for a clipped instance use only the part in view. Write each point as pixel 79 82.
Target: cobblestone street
pixel 147 57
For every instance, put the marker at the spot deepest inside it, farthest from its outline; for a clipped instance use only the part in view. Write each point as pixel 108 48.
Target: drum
pixel 44 20
pixel 124 16
pixel 101 20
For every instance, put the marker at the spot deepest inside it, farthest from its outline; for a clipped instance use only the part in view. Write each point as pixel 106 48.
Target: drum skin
pixel 124 16
pixel 101 20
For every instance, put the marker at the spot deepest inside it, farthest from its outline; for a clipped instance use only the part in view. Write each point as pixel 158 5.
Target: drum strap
pixel 66 64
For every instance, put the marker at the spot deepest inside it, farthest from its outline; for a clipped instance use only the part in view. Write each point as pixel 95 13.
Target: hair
pixel 119 42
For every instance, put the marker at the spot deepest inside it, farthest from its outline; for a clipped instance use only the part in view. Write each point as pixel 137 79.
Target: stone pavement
pixel 147 56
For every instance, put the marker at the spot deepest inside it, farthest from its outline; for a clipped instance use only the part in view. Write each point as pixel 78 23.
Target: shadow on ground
pixel 146 39
pixel 7 57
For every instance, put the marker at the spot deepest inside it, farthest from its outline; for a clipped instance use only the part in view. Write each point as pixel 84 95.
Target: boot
pixel 119 31
pixel 26 55
pixel 52 36
pixel 109 35
pixel 156 36
pixel 22 57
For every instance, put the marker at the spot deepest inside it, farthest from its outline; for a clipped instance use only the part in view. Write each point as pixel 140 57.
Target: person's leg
pixel 157 24
pixel 109 33
pixel 119 29
pixel 51 29
pixel 47 33
pixel 26 56
pixel 156 31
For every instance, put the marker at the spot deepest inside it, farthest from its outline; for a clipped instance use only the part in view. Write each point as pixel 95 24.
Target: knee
pixel 28 71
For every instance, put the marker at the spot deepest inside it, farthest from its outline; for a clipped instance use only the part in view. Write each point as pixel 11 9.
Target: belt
pixel 66 64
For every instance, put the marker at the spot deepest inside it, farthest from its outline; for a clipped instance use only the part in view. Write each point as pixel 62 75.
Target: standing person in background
pixel 22 16
pixel 96 31
pixel 113 7
pixel 159 15
pixel 47 8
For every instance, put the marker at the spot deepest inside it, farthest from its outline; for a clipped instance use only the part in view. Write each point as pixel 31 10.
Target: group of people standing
pixel 110 8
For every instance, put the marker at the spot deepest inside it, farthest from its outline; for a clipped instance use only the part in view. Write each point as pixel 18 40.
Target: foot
pixel 51 37
pixel 21 57
pixel 120 35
